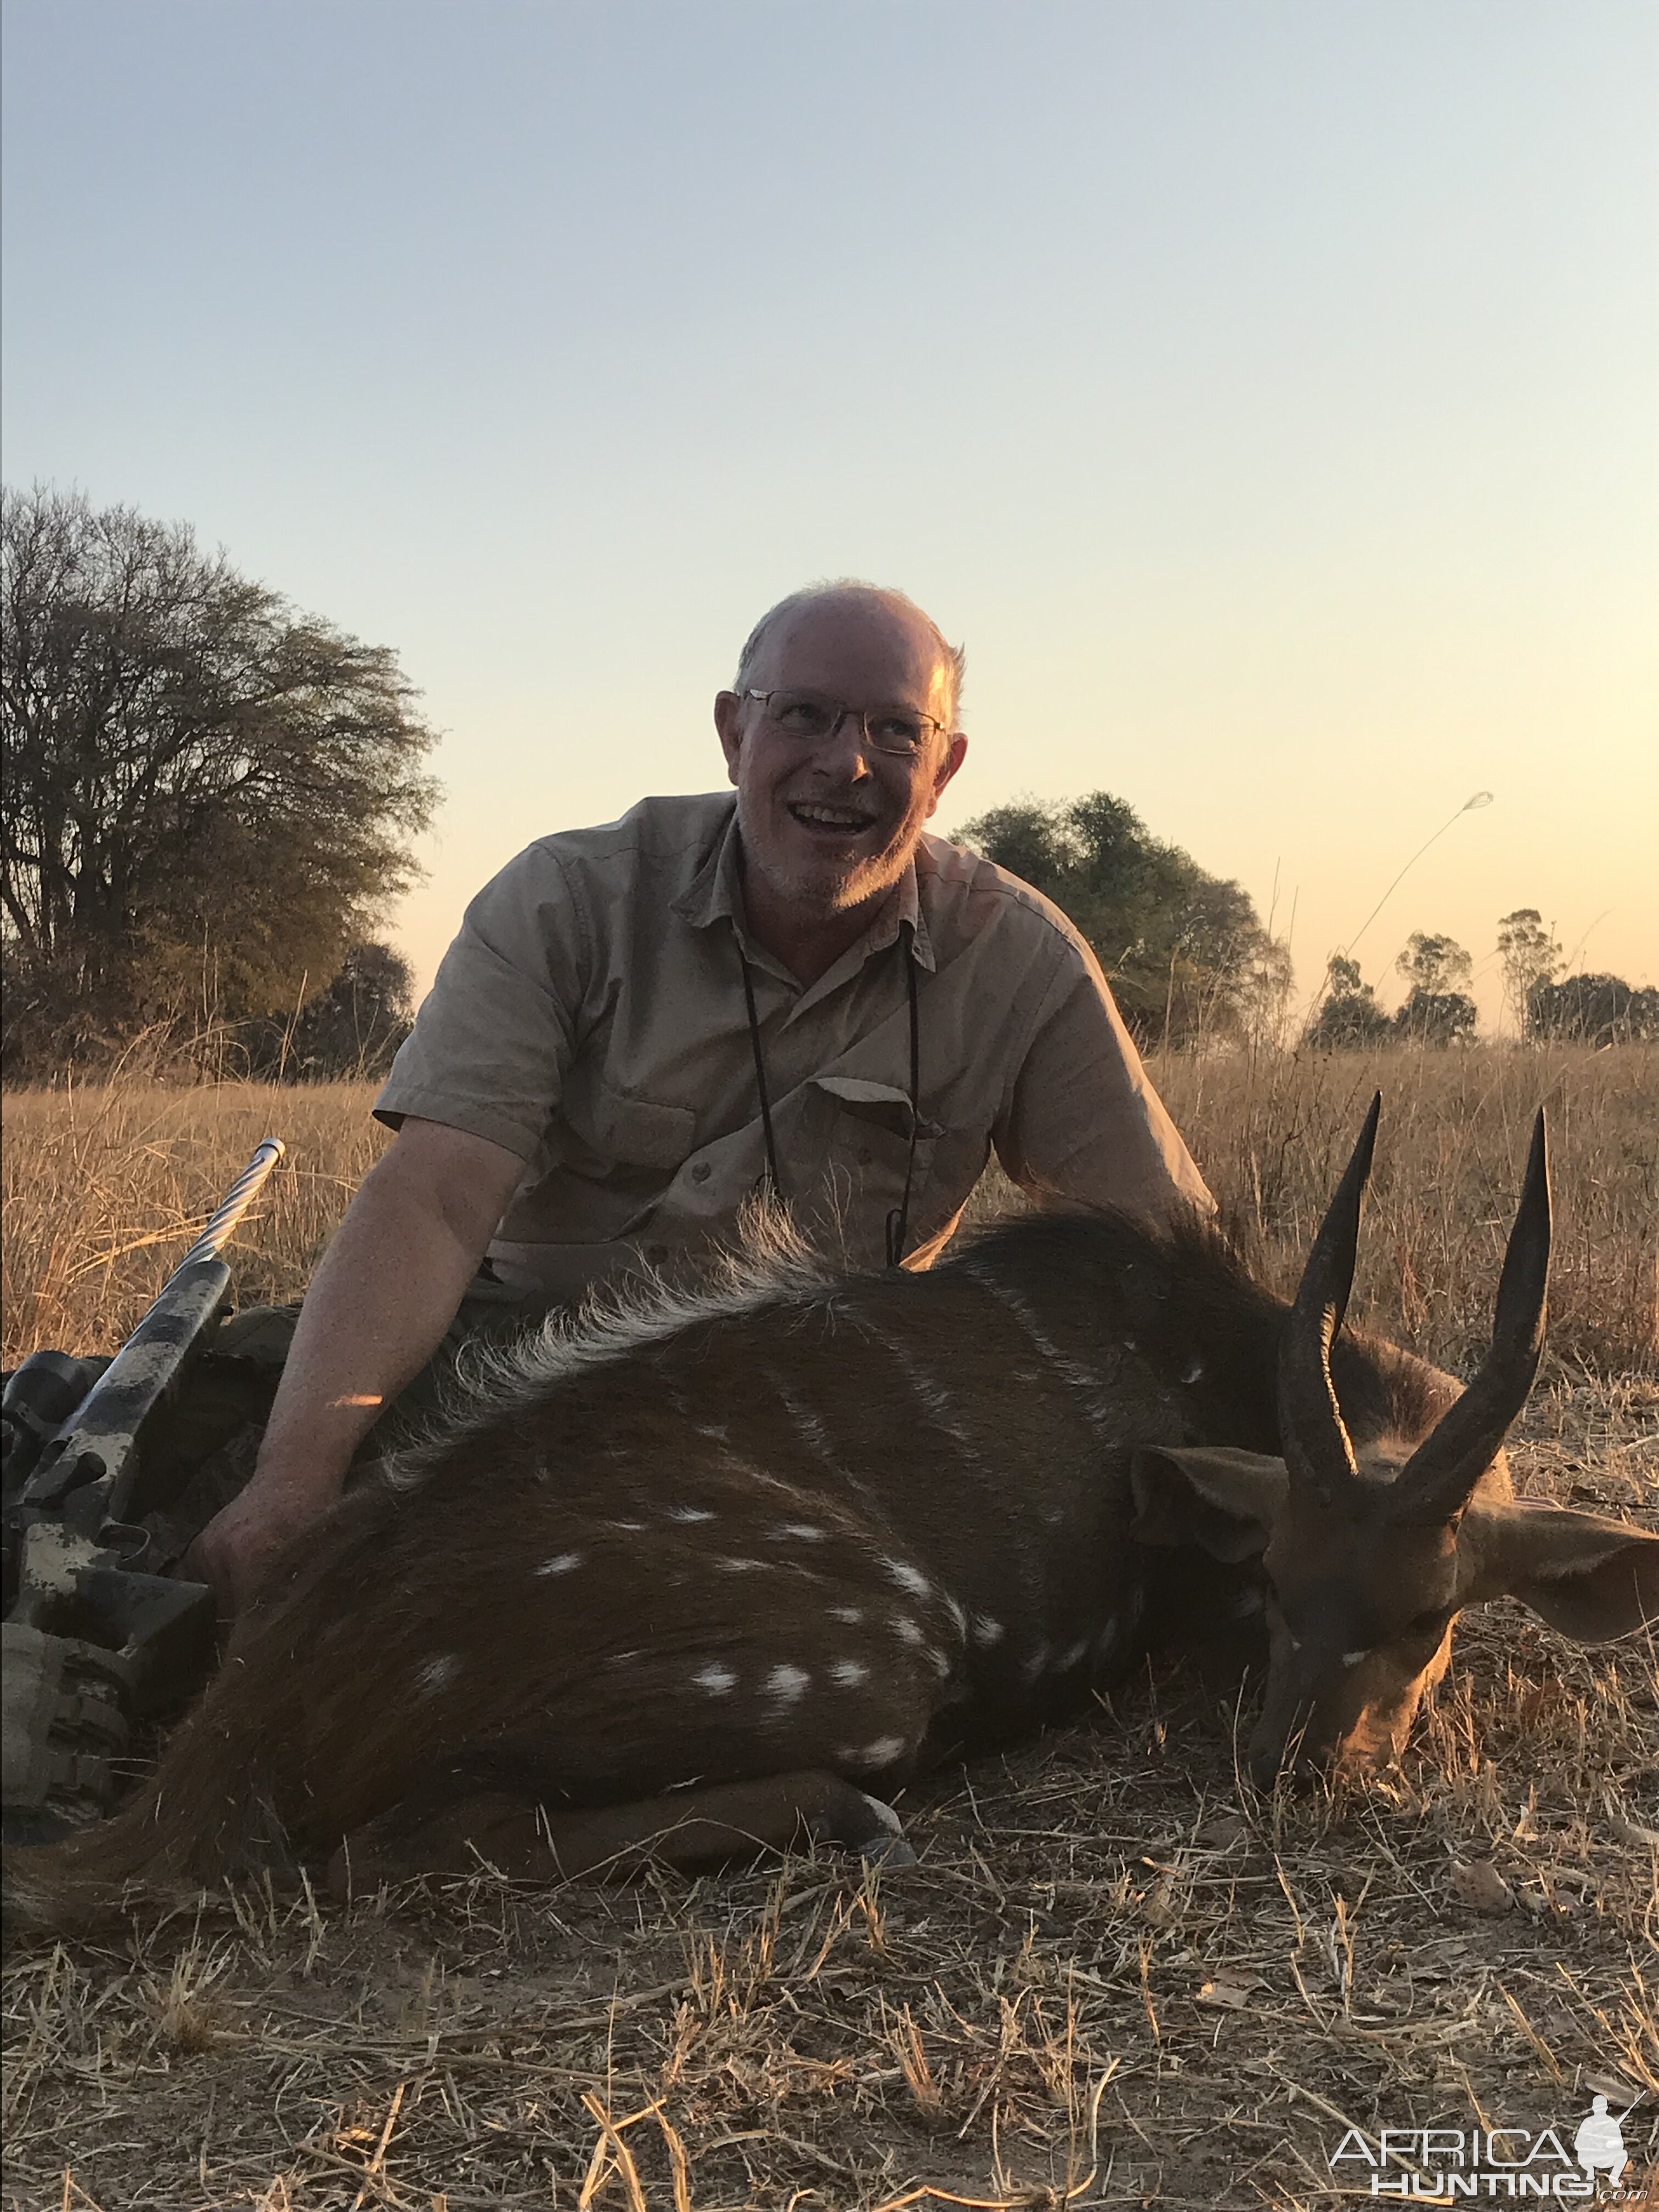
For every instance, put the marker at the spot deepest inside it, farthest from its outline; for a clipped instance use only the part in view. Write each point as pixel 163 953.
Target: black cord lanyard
pixel 898 1221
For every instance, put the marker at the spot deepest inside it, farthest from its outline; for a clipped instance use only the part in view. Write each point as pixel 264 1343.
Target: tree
pixel 1530 956
pixel 1435 1010
pixel 1435 964
pixel 350 1030
pixel 1437 1017
pixel 206 794
pixel 1599 1009
pixel 1186 952
pixel 1347 1016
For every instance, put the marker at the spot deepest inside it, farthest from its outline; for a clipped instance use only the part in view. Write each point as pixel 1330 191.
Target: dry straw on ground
pixel 1116 1977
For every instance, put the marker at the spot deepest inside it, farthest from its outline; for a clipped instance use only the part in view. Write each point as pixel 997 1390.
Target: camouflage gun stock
pixel 92 1641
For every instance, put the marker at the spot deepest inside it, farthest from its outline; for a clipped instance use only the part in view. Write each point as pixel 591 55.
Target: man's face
pixel 831 825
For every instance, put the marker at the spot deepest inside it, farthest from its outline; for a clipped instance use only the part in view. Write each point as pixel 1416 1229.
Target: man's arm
pixel 387 1290
pixel 1084 1121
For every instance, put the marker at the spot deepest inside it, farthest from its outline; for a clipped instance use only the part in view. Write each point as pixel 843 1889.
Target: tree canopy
pixel 1437 1010
pixel 1600 1010
pixel 1347 1015
pixel 207 795
pixel 1186 952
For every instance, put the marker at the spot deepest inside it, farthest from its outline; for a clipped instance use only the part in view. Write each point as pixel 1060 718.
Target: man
pixel 641 1027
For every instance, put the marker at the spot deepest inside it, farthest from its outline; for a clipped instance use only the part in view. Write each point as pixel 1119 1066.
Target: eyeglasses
pixel 810 717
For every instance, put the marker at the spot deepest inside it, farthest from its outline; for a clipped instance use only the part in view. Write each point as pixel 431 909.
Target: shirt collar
pixel 715 894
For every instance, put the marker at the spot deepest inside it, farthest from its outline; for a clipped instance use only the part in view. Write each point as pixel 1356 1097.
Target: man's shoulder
pixel 966 897
pixel 661 835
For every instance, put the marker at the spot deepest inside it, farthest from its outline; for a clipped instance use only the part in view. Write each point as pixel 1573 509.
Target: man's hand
pixel 377 1309
pixel 238 1549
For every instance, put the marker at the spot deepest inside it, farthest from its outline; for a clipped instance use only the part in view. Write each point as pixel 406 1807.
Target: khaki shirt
pixel 589 1019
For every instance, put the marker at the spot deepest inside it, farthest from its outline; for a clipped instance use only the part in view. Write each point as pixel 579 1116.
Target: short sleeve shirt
pixel 591 1018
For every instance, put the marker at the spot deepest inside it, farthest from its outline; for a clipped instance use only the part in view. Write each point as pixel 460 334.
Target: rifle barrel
pixel 93 1454
pixel 234 1203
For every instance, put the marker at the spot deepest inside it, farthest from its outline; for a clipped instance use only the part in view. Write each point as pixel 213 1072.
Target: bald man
pixel 641 1027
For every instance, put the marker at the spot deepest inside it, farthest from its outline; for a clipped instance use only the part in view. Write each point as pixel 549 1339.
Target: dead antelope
pixel 724 1573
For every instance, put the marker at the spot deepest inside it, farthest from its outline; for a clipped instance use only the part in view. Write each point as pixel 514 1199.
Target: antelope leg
pixel 701 1826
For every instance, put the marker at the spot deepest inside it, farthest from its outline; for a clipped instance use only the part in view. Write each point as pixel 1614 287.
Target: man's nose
pixel 845 750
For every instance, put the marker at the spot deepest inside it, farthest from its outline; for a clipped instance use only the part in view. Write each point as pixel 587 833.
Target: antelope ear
pixel 1592 1577
pixel 1222 1501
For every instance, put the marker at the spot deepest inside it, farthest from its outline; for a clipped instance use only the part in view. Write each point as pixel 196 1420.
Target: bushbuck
pixel 725 1571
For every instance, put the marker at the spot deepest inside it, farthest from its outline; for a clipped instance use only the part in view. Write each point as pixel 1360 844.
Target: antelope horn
pixel 1318 1451
pixel 1436 1480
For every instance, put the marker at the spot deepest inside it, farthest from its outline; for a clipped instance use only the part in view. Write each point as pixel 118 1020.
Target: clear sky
pixel 1264 389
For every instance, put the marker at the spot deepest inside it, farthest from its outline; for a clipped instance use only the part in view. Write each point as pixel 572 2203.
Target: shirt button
pixel 702 1172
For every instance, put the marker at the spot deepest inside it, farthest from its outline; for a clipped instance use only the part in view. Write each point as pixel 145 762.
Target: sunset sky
pixel 1264 389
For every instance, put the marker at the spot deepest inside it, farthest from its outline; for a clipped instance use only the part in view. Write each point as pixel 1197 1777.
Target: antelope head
pixel 1371 1555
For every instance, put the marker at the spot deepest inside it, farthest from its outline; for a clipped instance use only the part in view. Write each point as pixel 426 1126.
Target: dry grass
pixel 1116 1977
pixel 105 1189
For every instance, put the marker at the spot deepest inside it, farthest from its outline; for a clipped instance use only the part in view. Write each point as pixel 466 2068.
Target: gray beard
pixel 821 893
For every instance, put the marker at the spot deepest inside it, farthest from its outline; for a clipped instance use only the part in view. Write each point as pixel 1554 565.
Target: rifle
pixel 92 1642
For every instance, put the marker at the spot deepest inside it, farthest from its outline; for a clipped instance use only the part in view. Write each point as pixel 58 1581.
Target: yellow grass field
pixel 1116 1978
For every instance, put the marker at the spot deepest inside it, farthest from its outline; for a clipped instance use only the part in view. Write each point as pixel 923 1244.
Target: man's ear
pixel 1223 1501
pixel 728 714
pixel 955 751
pixel 1592 1577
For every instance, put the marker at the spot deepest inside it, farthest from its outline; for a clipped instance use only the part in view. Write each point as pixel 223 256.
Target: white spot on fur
pixel 1033 1664
pixel 438 1674
pixel 737 1566
pixel 689 1513
pixel 851 1614
pixel 715 1679
pixel 1246 1602
pixel 1078 1653
pixel 987 1630
pixel 937 1398
pixel 909 1577
pixel 908 1631
pixel 956 1614
pixel 847 1674
pixel 1097 1409
pixel 803 1529
pixel 882 1752
pixel 787 1684
pixel 625 1524
pixel 1194 1371
pixel 559 1564
pixel 1354 1658
pixel 938 1661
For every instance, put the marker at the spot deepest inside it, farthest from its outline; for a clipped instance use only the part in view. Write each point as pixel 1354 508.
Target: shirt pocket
pixel 641 1132
pixel 864 1129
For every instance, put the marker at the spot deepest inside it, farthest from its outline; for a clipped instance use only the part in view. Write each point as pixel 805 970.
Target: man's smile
pixel 821 819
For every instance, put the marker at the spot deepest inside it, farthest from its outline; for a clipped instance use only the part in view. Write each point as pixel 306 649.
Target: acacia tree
pixel 1186 952
pixel 206 794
